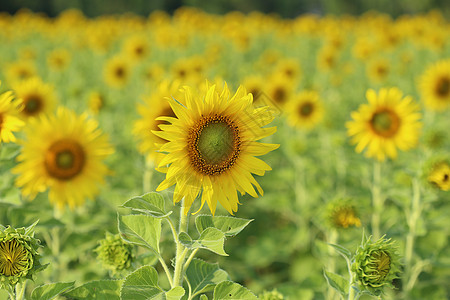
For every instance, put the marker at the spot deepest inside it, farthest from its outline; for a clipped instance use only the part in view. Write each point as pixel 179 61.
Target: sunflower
pixel 20 70
pixel 117 72
pixel 9 120
pixel 58 59
pixel 378 69
pixel 440 176
pixel 388 122
pixel 62 153
pixel 305 110
pixel 136 48
pixel 154 106
pixel 38 97
pixel 211 148
pixel 435 86
pixel 279 90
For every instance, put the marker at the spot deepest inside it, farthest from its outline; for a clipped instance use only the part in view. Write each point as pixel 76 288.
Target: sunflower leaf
pixel 232 290
pixel 152 204
pixel 51 290
pixel 175 294
pixel 203 276
pixel 337 282
pixel 342 251
pixel 185 240
pixel 230 226
pixel 140 230
pixel 210 238
pixel 141 284
pixel 98 289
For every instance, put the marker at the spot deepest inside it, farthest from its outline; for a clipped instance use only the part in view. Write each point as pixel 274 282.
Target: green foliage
pixel 338 282
pixel 152 204
pixel 141 230
pixel 232 290
pixel 98 289
pixel 203 276
pixel 51 290
pixel 211 239
pixel 230 226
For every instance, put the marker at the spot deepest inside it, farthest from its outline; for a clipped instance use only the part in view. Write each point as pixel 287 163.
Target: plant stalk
pixel 377 201
pixel 181 250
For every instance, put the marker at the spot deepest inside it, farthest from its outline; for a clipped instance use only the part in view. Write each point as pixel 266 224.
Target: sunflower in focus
pixel 154 106
pixel 38 98
pixel 212 147
pixel 435 86
pixel 9 117
pixel 305 110
pixel 388 122
pixel 117 71
pixel 63 153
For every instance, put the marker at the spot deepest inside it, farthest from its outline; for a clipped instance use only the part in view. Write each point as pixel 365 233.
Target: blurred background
pixel 284 8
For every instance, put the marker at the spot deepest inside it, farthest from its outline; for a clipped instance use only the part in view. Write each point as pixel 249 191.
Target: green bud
pixel 272 295
pixel 19 259
pixel 114 253
pixel 375 265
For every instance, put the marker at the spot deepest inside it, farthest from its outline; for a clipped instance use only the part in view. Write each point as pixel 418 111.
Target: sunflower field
pixel 235 156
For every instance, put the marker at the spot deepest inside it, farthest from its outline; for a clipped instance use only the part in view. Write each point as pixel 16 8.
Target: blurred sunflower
pixel 96 102
pixel 378 69
pixel 440 175
pixel 154 106
pixel 9 120
pixel 38 98
pixel 290 68
pixel 211 148
pixel 305 110
pixel 435 86
pixel 388 122
pixel 279 90
pixel 20 70
pixel 254 85
pixel 62 153
pixel 136 48
pixel 117 72
pixel 58 59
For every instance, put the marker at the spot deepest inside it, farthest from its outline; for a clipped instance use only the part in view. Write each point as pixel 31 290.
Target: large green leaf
pixel 203 276
pixel 141 284
pixel 232 290
pixel 141 230
pixel 230 226
pixel 99 290
pixel 151 204
pixel 336 281
pixel 211 239
pixel 175 294
pixel 51 290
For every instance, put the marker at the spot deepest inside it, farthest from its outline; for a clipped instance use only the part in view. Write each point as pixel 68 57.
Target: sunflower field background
pixel 107 78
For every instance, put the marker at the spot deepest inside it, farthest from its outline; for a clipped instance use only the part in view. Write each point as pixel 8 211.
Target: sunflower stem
pixel 166 270
pixel 377 200
pixel 20 290
pixel 412 218
pixel 181 250
pixel 332 237
pixel 148 174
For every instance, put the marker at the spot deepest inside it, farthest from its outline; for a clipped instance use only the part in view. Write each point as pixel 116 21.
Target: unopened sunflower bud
pixel 272 295
pixel 19 259
pixel 114 253
pixel 376 265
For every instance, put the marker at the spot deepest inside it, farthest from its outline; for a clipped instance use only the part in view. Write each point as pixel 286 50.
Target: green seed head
pixel 114 253
pixel 375 265
pixel 19 259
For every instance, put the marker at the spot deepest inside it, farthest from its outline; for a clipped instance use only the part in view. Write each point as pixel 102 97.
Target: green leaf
pixel 342 251
pixel 175 294
pixel 232 290
pixel 51 290
pixel 336 281
pixel 231 226
pixel 203 297
pixel 203 276
pixel 152 204
pixel 211 239
pixel 30 229
pixel 141 230
pixel 141 284
pixel 99 290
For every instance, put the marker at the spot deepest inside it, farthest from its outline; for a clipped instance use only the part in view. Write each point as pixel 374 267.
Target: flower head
pixel 388 122
pixel 114 253
pixel 9 117
pixel 342 213
pixel 435 86
pixel 376 264
pixel 440 175
pixel 212 147
pixel 19 259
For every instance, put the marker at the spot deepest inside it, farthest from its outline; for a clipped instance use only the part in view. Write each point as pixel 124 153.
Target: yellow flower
pixel 211 148
pixel 440 176
pixel 279 90
pixel 58 59
pixel 20 70
pixel 9 120
pixel 117 72
pixel 378 69
pixel 38 97
pixel 96 102
pixel 305 110
pixel 388 122
pixel 136 48
pixel 435 86
pixel 154 106
pixel 62 153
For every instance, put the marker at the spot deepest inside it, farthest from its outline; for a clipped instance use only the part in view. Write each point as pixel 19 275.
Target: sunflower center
pixel 32 105
pixel 306 109
pixel 13 258
pixel 213 145
pixel 443 87
pixel 120 72
pixel 64 159
pixel 445 178
pixel 382 265
pixel 385 123
pixel 279 95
